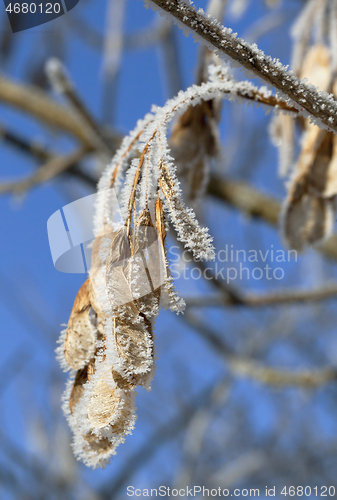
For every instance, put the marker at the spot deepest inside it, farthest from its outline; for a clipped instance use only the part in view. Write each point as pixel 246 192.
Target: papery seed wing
pixel 134 344
pixel 307 221
pixel 307 214
pixel 100 253
pixel 80 337
pixel 105 404
pixel 116 276
pixel 318 175
pixel 109 405
pixel 148 265
pixel 316 67
pixel 82 376
pixel 331 181
pixel 194 140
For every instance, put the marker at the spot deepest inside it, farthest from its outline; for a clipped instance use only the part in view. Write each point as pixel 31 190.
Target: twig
pixel 196 433
pixel 113 49
pixel 35 102
pixel 141 39
pixel 32 148
pixel 40 153
pixel 320 106
pixel 280 297
pixel 245 367
pixel 61 83
pixel 52 168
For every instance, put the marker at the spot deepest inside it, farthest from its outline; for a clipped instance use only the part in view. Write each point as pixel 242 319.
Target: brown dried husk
pixel 110 411
pixel 194 140
pixel 82 376
pixel 111 415
pixel 308 211
pixel 105 403
pixel 137 278
pixel 80 337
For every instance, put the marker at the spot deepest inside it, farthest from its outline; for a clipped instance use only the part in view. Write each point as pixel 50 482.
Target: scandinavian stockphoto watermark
pixel 71 235
pixel 233 264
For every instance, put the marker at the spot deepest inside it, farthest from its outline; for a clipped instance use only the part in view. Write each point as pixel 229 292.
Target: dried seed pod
pixel 137 258
pixel 97 444
pixel 80 336
pixel 282 132
pixel 128 277
pixel 134 342
pixel 105 403
pixel 82 376
pixel 100 252
pixel 308 212
pixel 330 188
pixel 117 279
pixel 307 217
pixel 308 221
pixel 316 67
pixel 194 140
pixel 103 413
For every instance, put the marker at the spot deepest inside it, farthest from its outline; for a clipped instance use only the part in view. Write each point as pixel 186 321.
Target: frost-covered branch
pixel 321 107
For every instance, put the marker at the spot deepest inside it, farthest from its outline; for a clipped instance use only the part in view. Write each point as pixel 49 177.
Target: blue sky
pixel 35 299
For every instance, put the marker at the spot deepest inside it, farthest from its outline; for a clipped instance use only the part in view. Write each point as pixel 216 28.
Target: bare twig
pixel 53 167
pixel 196 433
pixel 35 102
pixel 280 297
pixel 61 82
pixel 38 152
pixel 245 367
pixel 33 148
pixel 113 49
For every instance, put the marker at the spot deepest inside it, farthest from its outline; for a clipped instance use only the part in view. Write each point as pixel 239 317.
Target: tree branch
pixel 37 103
pixel 245 367
pixel 280 297
pixel 53 167
pixel 62 84
pixel 319 105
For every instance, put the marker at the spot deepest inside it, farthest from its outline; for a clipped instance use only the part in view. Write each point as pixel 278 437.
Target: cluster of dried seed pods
pixel 109 342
